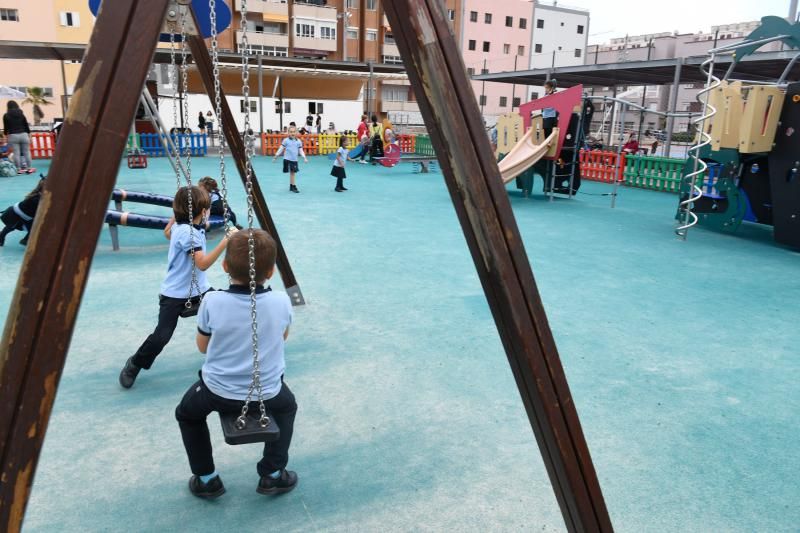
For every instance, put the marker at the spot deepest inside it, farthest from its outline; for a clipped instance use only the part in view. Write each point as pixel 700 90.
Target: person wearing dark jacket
pixel 16 128
pixel 20 215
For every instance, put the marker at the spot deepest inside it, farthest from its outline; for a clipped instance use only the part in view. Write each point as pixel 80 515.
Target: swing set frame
pixel 57 261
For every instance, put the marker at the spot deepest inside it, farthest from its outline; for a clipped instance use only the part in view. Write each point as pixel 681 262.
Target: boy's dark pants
pixel 169 311
pixel 199 402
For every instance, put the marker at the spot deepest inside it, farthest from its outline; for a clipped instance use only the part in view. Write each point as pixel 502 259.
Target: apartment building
pixel 53 21
pixel 559 36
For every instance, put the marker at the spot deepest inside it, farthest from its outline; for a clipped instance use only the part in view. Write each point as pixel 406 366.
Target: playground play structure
pixel 744 166
pixel 55 269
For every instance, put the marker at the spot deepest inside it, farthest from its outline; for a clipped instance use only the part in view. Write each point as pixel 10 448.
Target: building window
pixel 580 29
pixel 482 99
pixel 516 101
pixel 10 15
pixel 523 23
pixel 504 101
pixel 471 44
pixel 537 48
pixel 540 23
pixel 371 5
pixel 327 33
pixel 486 46
pixel 506 48
pixel 473 16
pixel 562 23
pixel 487 18
pixel 275 51
pixel 388 38
pixel 471 71
pixel 287 107
pixel 484 71
pixel 352 4
pixel 352 34
pixel 451 14
pixel 253 106
pixel 510 22
pixel 315 108
pixel 70 19
pixel 304 30
pixel 372 35
pixel 534 95
pixel 393 60
pixel 394 93
pixel 520 50
pixel 577 52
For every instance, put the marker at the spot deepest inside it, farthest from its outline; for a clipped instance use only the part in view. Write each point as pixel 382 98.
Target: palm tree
pixel 36 98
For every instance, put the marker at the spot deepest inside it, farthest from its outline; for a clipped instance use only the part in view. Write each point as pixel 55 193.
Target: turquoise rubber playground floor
pixel 682 358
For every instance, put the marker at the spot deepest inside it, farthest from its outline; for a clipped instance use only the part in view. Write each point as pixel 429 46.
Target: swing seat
pixel 252 432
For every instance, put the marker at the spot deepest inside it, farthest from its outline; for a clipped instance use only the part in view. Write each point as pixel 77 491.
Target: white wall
pixel 345 114
pixel 559 35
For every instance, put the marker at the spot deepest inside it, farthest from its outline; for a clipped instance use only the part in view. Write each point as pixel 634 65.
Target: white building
pixel 558 39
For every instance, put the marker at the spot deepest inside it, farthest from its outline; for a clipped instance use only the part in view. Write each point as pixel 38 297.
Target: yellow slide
pixel 525 153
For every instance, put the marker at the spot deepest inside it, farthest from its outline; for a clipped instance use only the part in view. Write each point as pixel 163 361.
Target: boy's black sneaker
pixel 24 240
pixel 284 483
pixel 213 489
pixel 338 189
pixel 129 373
pixel 293 188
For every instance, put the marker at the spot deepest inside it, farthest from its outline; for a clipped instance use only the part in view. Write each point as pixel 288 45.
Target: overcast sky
pixel 616 18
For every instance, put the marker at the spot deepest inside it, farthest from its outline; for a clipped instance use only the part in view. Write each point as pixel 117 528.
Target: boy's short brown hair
pixel 237 255
pixel 180 205
pixel 208 183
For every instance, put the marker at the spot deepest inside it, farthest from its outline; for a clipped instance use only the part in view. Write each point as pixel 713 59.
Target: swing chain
pixel 194 283
pixel 212 4
pixel 255 385
pixel 173 82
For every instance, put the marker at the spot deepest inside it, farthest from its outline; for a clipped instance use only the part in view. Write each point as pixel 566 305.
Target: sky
pixel 616 18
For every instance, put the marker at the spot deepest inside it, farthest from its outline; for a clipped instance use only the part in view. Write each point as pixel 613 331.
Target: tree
pixel 36 98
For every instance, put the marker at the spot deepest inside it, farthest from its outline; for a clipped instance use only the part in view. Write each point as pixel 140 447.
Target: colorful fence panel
pixel 423 146
pixel 154 144
pixel 407 143
pixel 597 165
pixel 43 145
pixel 655 173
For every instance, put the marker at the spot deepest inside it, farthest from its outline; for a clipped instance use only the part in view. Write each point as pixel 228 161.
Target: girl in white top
pixel 338 165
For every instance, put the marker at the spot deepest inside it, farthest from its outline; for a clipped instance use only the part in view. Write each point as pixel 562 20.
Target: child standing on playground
pixel 363 138
pixel 376 136
pixel 338 165
pixel 291 147
pixel 217 208
pixel 549 114
pixel 20 215
pixel 224 334
pixel 187 260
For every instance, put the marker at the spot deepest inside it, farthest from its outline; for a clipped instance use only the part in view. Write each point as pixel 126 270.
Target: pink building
pixel 496 37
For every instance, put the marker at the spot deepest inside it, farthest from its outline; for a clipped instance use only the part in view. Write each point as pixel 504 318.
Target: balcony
pixel 264 39
pixel 390 49
pixel 314 43
pixel 278 9
pixel 314 12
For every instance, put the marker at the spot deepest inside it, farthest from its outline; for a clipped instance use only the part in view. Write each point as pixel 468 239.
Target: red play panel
pixel 563 102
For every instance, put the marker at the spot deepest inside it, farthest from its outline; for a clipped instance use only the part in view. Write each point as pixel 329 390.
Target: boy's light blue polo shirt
pixel 291 148
pixel 225 317
pixel 183 238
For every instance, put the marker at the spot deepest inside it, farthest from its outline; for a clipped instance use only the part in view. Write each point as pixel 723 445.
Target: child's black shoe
pixel 129 373
pixel 24 240
pixel 283 483
pixel 213 489
pixel 293 188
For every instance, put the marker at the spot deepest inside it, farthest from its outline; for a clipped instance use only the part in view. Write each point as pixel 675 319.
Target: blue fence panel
pixel 154 145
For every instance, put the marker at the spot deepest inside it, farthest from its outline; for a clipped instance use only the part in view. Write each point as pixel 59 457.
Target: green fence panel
pixel 654 173
pixel 424 146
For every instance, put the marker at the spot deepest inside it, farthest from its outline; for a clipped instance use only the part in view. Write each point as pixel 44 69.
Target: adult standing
pixel 376 136
pixel 319 123
pixel 201 122
pixel 363 137
pixel 210 126
pixel 18 131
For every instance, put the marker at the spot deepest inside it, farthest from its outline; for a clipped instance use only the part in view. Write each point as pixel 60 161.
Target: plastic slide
pixel 525 154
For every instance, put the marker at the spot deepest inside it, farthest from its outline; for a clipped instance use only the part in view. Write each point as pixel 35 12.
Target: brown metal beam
pixel 451 114
pixel 206 69
pixel 53 276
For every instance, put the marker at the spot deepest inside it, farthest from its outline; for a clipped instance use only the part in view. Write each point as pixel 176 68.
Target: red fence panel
pixel 598 165
pixel 43 145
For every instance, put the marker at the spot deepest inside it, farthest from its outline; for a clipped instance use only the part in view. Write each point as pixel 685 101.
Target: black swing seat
pixel 252 433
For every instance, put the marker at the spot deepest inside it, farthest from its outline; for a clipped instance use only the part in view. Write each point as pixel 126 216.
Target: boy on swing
pixel 224 334
pixel 185 241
